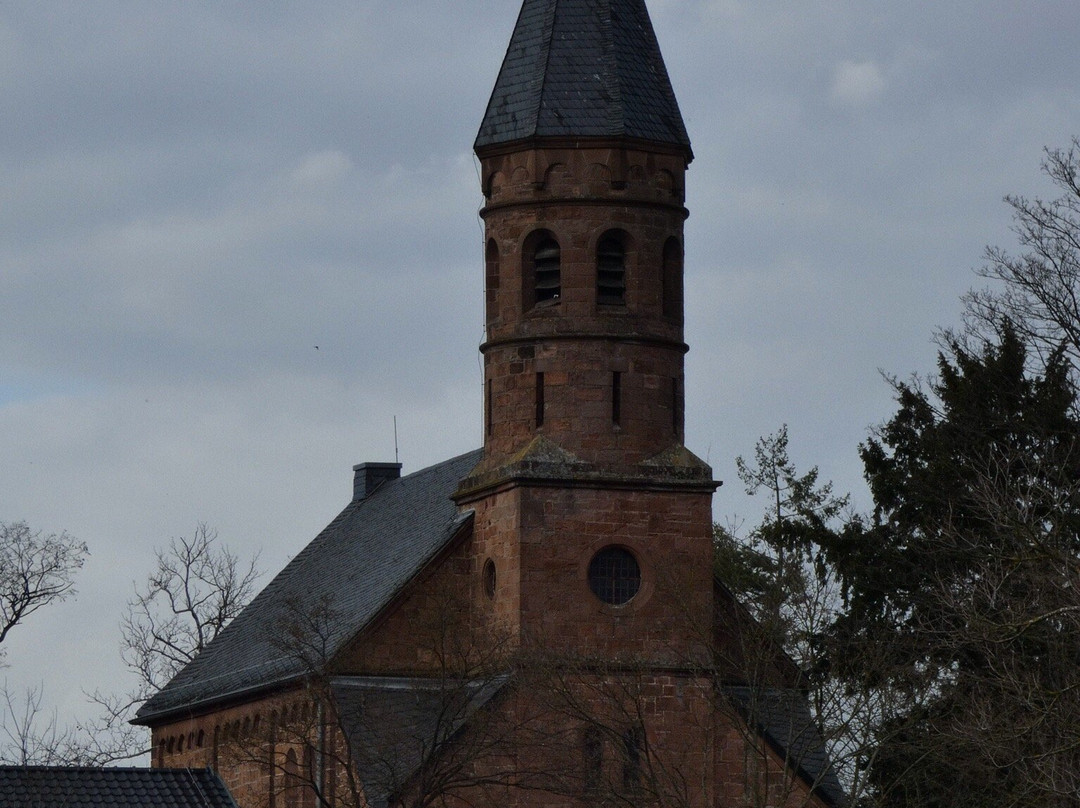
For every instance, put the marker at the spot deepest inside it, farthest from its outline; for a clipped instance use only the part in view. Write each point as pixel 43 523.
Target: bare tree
pixel 198 586
pixel 1038 291
pixel 31 735
pixel 36 569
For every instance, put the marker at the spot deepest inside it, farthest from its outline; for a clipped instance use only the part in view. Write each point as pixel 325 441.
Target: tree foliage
pixel 961 590
pixel 771 567
pixel 779 572
pixel 198 586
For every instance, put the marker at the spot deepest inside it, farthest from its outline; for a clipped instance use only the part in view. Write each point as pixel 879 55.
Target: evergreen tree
pixel 961 591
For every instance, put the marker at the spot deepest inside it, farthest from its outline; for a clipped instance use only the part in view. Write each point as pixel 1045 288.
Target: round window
pixel 489 578
pixel 614 575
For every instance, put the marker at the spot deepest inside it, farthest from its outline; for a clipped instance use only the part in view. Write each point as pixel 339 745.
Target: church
pixel 537 622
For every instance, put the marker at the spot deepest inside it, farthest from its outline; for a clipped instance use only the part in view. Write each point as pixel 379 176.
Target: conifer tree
pixel 962 589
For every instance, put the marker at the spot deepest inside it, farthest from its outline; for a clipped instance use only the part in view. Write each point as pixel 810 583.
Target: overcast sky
pixel 238 239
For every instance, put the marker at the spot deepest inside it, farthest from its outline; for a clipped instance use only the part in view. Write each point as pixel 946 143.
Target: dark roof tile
pixel 583 68
pixel 79 787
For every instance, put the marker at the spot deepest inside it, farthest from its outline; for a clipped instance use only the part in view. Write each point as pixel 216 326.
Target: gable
pixel 350 572
pixel 429 616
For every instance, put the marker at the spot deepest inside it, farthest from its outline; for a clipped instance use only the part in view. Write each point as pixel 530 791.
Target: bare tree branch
pixel 35 570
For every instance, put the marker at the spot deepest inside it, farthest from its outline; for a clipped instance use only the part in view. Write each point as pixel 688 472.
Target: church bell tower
pixel 593 522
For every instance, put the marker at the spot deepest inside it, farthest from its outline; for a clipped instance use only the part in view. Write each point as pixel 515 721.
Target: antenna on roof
pixel 395 441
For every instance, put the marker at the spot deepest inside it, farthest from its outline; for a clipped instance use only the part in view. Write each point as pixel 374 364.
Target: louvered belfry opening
pixel 611 271
pixel 547 280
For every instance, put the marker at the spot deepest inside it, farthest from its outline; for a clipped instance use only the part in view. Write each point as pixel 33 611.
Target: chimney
pixel 369 476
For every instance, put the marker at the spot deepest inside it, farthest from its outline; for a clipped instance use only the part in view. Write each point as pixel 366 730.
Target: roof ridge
pixel 611 78
pixel 545 45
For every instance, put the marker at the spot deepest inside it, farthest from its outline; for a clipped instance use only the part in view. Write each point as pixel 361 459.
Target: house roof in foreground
pixel 79 787
pixel 583 68
pixel 354 568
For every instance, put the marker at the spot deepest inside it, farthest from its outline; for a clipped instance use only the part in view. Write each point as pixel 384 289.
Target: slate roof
pixel 75 787
pixel 783 717
pixel 583 68
pixel 395 724
pixel 355 566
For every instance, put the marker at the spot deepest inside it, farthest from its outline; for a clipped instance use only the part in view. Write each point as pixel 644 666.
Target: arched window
pixel 541 279
pixel 547 275
pixel 673 280
pixel 489 579
pixel 611 270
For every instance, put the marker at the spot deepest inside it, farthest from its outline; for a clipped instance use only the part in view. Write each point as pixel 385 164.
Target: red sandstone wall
pixel 540 731
pixel 253 747
pixel 541 540
pixel 577 196
pixel 669 533
pixel 578 410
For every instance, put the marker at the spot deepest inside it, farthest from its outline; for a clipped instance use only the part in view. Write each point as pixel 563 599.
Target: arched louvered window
pixel 547 277
pixel 611 270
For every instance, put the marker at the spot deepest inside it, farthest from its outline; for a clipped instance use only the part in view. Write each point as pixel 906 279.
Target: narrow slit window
pixel 489 579
pixel 539 399
pixel 672 281
pixel 488 408
pixel 676 406
pixel 616 398
pixel 610 271
pixel 592 749
pixel 491 260
pixel 292 780
pixel 632 742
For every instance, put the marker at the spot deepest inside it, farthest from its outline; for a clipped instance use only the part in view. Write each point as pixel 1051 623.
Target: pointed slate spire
pixel 583 68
